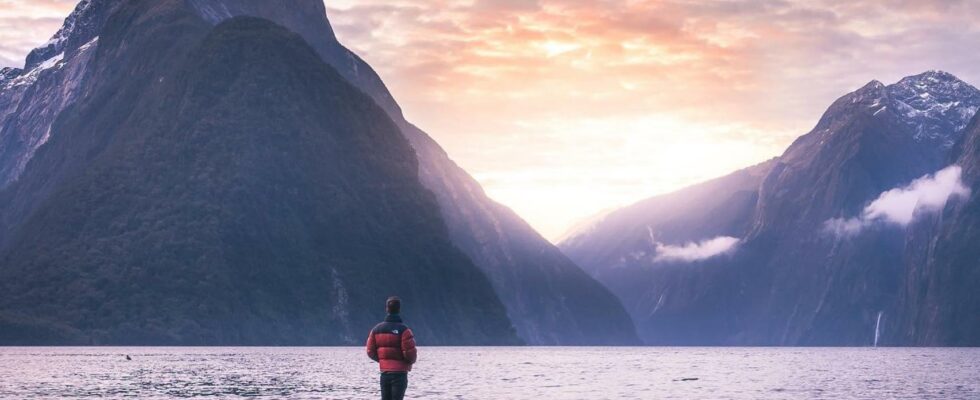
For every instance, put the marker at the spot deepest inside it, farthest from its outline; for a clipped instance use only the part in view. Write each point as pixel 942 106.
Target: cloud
pixel 563 108
pixel 900 206
pixel 845 226
pixel 696 251
pixel 526 93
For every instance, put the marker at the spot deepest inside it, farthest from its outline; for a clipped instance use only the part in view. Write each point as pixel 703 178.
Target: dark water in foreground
pixel 495 373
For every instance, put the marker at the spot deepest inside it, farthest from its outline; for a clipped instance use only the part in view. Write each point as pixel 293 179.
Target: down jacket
pixel 392 345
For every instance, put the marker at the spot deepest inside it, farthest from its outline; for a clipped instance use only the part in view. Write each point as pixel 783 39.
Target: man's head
pixel 393 305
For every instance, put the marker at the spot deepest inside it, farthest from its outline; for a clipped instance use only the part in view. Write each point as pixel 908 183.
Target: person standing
pixel 392 345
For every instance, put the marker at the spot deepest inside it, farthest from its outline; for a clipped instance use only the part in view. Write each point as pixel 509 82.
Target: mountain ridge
pixel 790 282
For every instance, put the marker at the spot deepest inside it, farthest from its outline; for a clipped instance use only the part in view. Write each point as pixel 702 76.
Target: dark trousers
pixel 393 385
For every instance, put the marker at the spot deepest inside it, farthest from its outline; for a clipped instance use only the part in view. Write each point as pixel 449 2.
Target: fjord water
pixel 495 373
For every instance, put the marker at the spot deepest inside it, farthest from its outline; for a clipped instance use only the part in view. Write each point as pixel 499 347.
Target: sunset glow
pixel 563 109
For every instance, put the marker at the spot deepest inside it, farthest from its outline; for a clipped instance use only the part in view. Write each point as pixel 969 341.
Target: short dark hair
pixel 393 305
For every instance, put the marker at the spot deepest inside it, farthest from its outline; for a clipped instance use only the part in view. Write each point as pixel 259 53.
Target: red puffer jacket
pixel 392 345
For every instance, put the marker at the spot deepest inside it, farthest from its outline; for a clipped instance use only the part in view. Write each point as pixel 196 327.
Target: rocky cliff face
pixel 805 261
pixel 938 301
pixel 32 97
pixel 223 185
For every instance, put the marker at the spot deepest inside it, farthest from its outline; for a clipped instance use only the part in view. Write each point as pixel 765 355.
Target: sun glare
pixel 554 48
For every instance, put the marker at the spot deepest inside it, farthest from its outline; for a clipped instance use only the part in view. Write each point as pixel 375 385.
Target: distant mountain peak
pixel 932 76
pixel 936 105
pixel 873 86
pixel 872 94
pixel 933 85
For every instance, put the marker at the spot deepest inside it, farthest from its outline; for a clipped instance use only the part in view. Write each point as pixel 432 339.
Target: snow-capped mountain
pixel 933 108
pixel 936 105
pixel 791 280
pixel 33 96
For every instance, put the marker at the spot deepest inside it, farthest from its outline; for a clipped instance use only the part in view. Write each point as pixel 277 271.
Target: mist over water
pixel 496 373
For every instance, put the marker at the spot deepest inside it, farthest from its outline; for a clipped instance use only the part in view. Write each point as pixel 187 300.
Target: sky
pixel 563 109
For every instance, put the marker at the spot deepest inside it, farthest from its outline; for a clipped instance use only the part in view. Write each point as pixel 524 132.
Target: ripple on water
pixel 495 373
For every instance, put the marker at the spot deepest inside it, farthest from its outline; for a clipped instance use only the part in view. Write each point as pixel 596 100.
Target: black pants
pixel 393 385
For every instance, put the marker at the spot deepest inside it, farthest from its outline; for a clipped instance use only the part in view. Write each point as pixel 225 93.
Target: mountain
pixel 719 207
pixel 550 300
pixel 223 185
pixel 789 252
pixel 546 297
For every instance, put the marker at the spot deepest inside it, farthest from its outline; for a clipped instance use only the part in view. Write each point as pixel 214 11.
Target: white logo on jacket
pixel 395 331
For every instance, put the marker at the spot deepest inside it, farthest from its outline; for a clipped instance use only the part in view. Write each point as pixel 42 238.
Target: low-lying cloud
pixel 900 206
pixel 696 251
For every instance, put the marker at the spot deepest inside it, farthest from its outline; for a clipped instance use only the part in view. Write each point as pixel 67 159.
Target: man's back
pixel 392 344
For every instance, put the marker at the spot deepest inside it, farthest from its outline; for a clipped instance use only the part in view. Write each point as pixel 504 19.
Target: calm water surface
pixel 495 373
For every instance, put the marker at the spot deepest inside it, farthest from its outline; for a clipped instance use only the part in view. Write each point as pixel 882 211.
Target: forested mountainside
pixel 223 185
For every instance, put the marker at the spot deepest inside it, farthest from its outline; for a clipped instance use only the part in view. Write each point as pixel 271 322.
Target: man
pixel 392 345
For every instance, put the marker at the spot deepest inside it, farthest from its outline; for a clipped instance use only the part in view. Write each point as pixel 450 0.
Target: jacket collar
pixel 393 318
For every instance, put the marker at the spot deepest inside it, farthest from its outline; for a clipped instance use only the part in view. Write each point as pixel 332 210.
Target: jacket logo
pixel 395 331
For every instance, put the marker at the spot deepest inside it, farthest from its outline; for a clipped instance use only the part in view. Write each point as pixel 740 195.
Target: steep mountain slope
pixel 549 299
pixel 719 207
pixel 791 279
pixel 621 249
pixel 939 301
pixel 223 185
pixel 31 98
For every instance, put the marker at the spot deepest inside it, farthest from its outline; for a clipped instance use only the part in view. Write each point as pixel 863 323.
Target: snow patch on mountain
pixel 71 30
pixel 89 44
pixel 936 105
pixel 78 29
pixel 32 76
pixel 7 74
pixel 68 28
pixel 46 86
